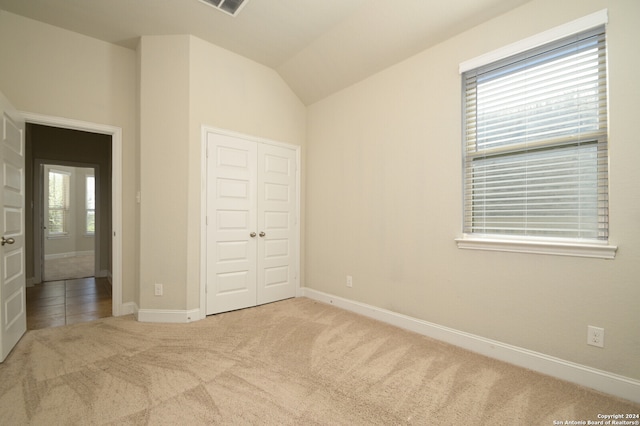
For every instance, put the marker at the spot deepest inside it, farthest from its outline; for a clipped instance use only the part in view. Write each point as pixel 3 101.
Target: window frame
pixel 522 243
pixel 86 205
pixel 66 210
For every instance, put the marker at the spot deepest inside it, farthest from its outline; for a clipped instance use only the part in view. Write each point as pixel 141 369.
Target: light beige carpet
pixel 295 362
pixel 68 268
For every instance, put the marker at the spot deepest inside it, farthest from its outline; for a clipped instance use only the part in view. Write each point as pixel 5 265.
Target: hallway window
pixel 90 198
pixel 58 205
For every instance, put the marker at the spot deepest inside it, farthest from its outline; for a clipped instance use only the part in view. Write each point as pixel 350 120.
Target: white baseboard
pixel 104 274
pixel 68 254
pixel 603 381
pixel 168 316
pixel 129 308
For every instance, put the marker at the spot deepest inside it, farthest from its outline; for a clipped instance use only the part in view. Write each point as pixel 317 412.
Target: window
pixel 90 205
pixel 58 203
pixel 535 143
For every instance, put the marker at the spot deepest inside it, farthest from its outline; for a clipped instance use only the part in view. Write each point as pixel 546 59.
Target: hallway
pixel 56 303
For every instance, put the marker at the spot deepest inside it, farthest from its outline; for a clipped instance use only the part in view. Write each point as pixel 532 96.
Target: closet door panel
pixel 231 220
pixel 276 223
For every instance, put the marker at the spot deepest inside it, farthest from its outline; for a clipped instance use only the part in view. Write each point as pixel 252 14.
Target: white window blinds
pixel 535 142
pixel 58 202
pixel 90 205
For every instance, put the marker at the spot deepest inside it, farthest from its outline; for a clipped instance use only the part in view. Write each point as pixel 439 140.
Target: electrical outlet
pixel 158 289
pixel 595 336
pixel 349 281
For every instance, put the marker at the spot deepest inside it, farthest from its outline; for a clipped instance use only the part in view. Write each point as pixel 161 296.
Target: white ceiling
pixel 317 46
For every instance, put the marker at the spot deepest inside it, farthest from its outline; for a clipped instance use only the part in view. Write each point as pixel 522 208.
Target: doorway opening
pixel 70 237
pixel 71 272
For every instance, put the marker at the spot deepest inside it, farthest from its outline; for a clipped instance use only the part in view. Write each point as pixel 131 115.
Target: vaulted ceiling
pixel 317 46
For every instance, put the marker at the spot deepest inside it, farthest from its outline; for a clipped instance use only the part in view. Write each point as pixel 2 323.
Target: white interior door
pixel 277 217
pixel 231 223
pixel 13 320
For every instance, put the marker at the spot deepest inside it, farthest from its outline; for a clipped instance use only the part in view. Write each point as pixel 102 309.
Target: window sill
pixel 57 236
pixel 539 246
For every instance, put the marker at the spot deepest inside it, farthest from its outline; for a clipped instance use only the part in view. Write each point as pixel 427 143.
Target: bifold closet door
pixel 251 222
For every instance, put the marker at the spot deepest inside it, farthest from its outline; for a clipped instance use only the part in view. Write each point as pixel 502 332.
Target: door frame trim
pixel 205 130
pixel 116 191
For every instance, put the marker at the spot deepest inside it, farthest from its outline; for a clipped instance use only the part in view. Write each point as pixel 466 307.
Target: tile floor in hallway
pixel 56 303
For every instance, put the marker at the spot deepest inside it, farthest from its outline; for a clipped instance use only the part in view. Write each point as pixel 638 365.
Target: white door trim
pixel 203 205
pixel 116 191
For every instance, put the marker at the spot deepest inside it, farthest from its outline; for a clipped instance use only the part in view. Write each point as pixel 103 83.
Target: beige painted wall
pixel 166 87
pixel 384 203
pixel 164 142
pixel 187 83
pixel 50 71
pixel 383 179
pixel 231 92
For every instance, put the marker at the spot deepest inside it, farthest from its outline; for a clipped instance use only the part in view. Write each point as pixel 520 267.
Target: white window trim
pixel 581 24
pixel 558 247
pixel 58 236
pixel 532 245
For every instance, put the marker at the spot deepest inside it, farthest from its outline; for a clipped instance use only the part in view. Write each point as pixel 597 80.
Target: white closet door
pixel 231 223
pixel 251 223
pixel 276 223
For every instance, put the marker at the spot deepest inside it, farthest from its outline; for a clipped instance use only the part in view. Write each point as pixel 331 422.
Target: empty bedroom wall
pixel 384 201
pixel 58 73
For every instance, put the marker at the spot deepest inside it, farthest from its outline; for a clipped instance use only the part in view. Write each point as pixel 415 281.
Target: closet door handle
pixel 262 234
pixel 252 235
pixel 7 241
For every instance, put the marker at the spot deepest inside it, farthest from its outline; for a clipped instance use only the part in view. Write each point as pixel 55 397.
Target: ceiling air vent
pixel 230 7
